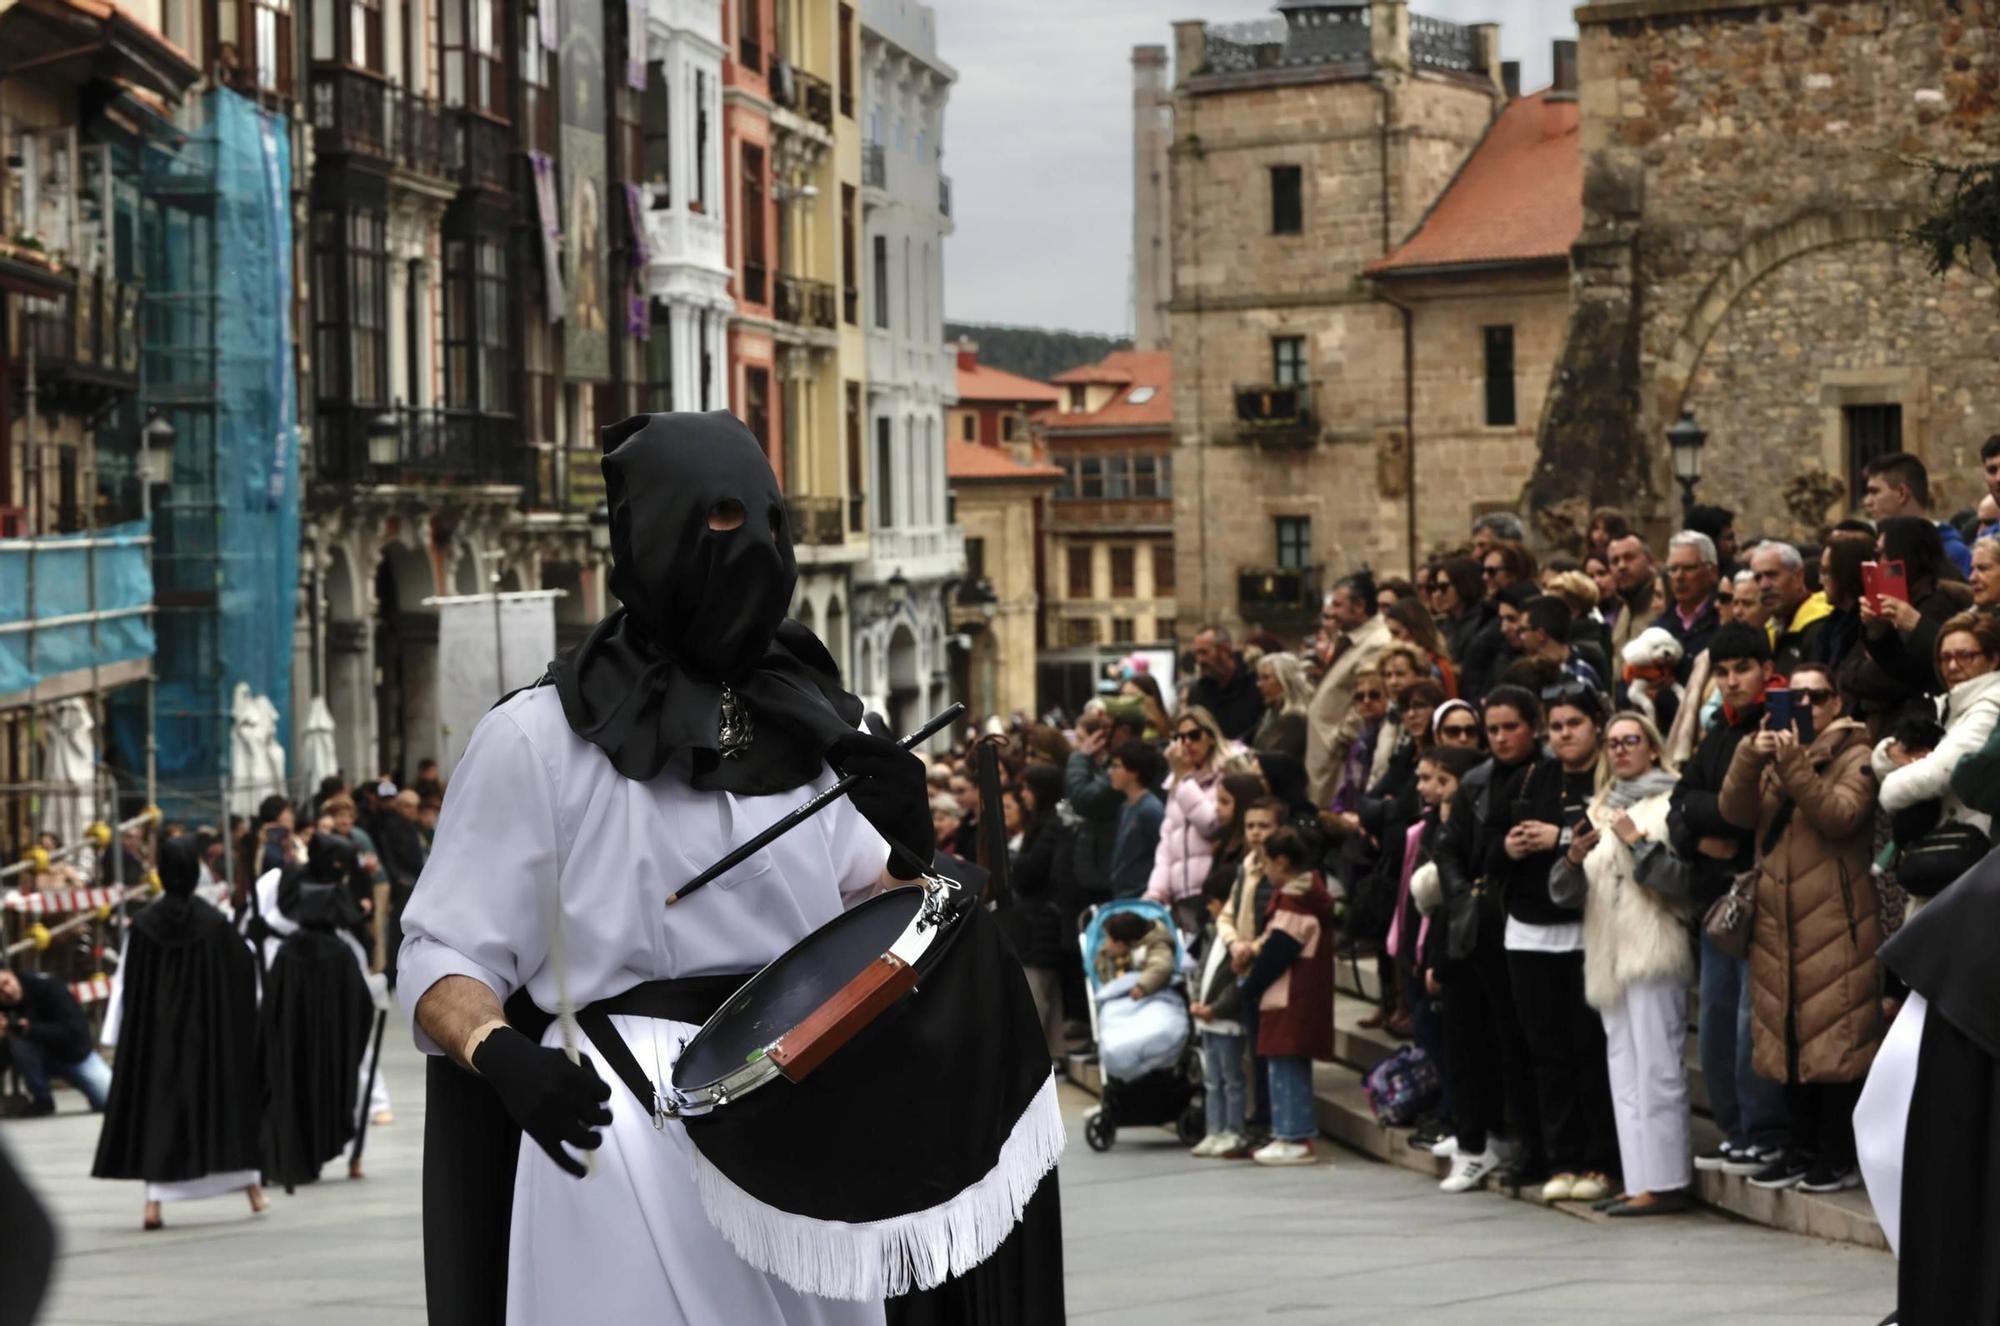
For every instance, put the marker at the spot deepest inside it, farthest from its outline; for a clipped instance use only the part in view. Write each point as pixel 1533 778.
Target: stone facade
pixel 1376 135
pixel 993 614
pixel 1746 191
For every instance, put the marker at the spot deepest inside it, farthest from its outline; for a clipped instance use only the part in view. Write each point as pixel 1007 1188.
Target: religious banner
pixel 550 222
pixel 488 645
pixel 586 196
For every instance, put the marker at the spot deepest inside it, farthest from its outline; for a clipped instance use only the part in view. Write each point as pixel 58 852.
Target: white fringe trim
pixel 884 1258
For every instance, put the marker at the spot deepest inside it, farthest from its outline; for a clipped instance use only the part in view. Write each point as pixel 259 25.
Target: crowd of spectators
pixel 1534 791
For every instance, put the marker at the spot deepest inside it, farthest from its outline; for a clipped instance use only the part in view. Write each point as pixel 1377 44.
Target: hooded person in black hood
pixel 185 1098
pixel 692 717
pixel 315 1019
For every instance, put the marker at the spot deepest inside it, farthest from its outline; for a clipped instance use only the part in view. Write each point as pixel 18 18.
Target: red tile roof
pixel 1135 371
pixel 1100 372
pixel 970 460
pixel 1517 198
pixel 981 382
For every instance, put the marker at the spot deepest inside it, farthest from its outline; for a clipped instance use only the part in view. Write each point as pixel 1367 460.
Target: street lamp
pixel 600 528
pixel 1684 442
pixel 156 454
pixel 382 440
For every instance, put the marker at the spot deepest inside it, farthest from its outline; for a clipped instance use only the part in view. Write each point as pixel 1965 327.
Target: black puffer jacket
pixel 1040 876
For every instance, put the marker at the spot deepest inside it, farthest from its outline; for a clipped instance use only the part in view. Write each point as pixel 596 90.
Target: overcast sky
pixel 1038 142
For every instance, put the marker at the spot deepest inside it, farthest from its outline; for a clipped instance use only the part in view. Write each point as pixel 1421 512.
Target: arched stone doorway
pixel 406 656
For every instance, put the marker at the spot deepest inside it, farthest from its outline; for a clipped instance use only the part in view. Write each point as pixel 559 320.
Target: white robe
pixel 535 813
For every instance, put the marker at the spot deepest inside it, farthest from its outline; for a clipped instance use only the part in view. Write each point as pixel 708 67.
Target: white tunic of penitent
pixel 534 813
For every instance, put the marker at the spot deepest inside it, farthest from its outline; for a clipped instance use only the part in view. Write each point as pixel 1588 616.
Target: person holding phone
pixel 1901 637
pixel 1543 939
pixel 1817 1015
pixel 1968 652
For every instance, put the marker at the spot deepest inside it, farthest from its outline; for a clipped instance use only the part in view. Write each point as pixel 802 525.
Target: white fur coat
pixel 1630 933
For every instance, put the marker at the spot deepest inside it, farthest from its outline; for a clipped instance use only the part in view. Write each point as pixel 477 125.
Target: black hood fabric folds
pixel 702 610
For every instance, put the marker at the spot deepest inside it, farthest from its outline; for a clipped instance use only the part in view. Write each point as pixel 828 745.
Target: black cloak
pixel 703 616
pixel 1946 1273
pixel 185 1099
pixel 28 1250
pixel 315 1025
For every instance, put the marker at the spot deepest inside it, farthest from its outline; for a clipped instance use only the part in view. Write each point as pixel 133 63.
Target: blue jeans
pixel 1222 1081
pixel 1292 1099
pixel 1749 1109
pixel 90 1074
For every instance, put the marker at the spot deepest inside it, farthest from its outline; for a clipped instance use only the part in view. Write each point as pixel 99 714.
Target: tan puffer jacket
pixel 1812 960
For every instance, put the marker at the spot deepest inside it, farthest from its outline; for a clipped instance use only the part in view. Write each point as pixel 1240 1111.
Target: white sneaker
pixel 1445 1148
pixel 1286 1153
pixel 1468 1172
pixel 1207 1146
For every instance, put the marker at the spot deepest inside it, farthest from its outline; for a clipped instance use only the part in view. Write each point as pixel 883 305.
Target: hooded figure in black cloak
pixel 316 1018
pixel 27 1253
pixel 1927 1129
pixel 699 670
pixel 185 1098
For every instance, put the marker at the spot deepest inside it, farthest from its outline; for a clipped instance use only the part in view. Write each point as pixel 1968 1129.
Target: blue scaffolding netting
pixel 51 578
pixel 218 365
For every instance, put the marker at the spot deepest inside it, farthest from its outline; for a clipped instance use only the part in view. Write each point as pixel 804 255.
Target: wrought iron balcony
pixel 426 447
pixel 816 521
pixel 817 94
pixel 1267 591
pixel 874 166
pixel 1275 412
pixel 805 302
pixel 1332 33
pixel 350 112
pixel 479 147
pixel 418 132
pixel 89 334
pixel 1438 44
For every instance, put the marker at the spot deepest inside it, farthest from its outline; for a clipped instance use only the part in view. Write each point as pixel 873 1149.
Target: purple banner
pixel 635 212
pixel 639 318
pixel 549 216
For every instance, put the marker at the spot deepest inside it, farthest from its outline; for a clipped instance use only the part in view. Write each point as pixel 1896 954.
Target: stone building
pixel 902 585
pixel 1746 189
pixel 997 500
pixel 1108 540
pixel 1152 136
pixel 1305 148
pixel 1482 287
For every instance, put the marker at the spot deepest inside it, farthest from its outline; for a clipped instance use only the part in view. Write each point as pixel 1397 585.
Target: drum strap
pixel 690 999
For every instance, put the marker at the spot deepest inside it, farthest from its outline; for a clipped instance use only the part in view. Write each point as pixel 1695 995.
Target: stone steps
pixel 1345 1117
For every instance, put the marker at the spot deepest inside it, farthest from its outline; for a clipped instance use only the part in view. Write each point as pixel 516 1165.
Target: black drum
pixel 874 1110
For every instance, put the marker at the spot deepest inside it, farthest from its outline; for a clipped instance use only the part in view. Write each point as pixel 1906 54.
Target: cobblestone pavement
pixel 1154 1239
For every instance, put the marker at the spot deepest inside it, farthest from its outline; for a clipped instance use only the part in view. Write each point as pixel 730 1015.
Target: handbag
pixel 1732 919
pixel 1928 866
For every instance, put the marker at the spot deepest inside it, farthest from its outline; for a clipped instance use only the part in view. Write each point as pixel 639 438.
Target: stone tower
pixel 1152 134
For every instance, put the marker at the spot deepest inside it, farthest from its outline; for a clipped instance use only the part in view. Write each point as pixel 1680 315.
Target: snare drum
pixel 791 1016
pixel 872 1113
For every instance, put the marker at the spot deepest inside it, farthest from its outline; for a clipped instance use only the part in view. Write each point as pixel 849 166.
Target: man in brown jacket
pixel 1816 997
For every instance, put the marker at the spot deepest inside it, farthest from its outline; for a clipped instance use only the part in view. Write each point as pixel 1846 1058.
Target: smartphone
pixel 1778 708
pixel 1581 827
pixel 1802 720
pixel 1881 580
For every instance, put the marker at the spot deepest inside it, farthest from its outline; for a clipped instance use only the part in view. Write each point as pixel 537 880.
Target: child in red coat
pixel 1291 984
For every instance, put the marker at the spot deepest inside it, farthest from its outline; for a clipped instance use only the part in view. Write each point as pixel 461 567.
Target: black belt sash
pixel 691 999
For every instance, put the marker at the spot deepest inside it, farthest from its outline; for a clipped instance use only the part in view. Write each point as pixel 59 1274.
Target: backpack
pixel 1403 1087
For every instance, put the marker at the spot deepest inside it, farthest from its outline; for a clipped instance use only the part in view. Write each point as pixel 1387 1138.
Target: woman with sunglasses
pixel 1195 756
pixel 1968 651
pixel 1815 988
pixel 1458 603
pixel 1637 964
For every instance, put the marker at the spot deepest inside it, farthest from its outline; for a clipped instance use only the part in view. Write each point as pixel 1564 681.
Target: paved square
pixel 1154 1239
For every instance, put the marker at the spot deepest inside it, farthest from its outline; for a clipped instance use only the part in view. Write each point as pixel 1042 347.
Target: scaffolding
pixel 217 365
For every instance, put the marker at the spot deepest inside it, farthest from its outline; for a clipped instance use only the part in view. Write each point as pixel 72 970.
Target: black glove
pixel 554 1100
pixel 891 795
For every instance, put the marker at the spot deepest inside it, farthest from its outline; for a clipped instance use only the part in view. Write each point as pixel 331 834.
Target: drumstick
pixel 812 808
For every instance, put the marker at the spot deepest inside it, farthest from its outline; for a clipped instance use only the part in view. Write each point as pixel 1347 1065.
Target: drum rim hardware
pixel 894 971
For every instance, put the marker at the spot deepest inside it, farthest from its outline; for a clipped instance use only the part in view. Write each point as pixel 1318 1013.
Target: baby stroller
pixel 1146 1047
